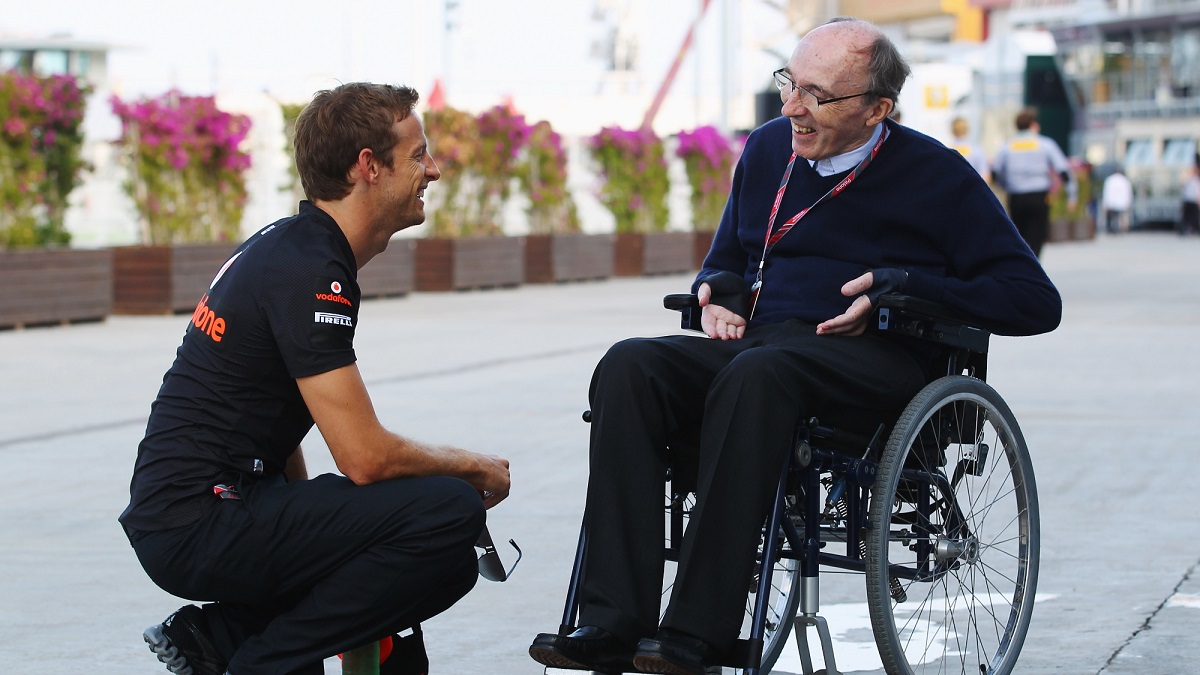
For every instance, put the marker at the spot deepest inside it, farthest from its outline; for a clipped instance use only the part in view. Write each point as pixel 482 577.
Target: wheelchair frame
pixel 883 495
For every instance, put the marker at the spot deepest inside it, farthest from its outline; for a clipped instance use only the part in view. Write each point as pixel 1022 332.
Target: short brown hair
pixel 337 124
pixel 1026 118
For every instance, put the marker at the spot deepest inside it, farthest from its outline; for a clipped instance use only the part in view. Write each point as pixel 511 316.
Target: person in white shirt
pixel 1116 198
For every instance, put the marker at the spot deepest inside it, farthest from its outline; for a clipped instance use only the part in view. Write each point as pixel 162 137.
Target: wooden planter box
pixel 1083 229
pixel 472 262
pixel 700 246
pixel 551 258
pixel 1071 230
pixel 164 279
pixel 54 286
pixel 391 273
pixel 1058 230
pixel 655 253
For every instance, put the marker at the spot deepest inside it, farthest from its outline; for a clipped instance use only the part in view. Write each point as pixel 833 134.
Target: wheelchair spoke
pixel 956 456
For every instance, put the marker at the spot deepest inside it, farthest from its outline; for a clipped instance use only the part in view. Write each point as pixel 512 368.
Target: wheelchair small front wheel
pixel 952 555
pixel 781 612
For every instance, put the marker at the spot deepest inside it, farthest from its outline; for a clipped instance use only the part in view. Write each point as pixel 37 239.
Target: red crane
pixel 663 88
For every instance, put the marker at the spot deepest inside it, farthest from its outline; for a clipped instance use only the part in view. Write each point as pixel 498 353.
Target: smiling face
pixel 404 183
pixel 831 61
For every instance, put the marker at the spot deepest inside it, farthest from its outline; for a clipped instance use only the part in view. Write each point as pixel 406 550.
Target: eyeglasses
pixel 490 566
pixel 787 87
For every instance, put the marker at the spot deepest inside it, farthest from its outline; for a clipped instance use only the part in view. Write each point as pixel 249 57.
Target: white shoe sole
pixel 165 651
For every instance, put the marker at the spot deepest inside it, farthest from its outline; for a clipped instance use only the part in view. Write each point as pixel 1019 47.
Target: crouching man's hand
pixel 494 481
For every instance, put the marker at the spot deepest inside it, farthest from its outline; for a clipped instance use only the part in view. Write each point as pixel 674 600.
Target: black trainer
pixel 183 644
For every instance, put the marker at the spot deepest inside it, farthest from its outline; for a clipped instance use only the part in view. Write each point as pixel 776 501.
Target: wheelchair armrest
pixel 681 301
pixel 928 320
pixel 688 305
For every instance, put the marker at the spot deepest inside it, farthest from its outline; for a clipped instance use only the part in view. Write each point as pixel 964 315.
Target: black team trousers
pixel 728 410
pixel 298 572
pixel 1030 212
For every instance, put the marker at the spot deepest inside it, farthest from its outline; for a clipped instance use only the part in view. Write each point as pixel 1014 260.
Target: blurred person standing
pixel 1026 168
pixel 1116 199
pixel 967 148
pixel 1190 217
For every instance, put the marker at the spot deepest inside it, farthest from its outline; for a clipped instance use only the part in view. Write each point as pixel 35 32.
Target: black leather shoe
pixel 672 653
pixel 588 648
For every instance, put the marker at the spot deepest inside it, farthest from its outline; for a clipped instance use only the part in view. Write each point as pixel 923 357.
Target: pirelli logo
pixel 335 319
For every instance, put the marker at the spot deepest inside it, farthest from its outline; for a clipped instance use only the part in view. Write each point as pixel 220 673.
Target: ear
pixel 365 167
pixel 879 111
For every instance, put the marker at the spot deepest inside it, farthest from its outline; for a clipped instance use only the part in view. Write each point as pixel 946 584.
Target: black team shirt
pixel 284 306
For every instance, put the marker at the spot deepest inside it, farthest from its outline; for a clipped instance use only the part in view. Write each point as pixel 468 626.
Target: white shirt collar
pixel 846 160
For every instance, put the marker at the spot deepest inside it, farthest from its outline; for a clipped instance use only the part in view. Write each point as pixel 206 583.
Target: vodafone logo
pixel 331 290
pixel 207 320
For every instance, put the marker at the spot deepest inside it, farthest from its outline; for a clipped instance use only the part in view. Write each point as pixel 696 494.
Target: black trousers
pixel 1112 220
pixel 728 410
pixel 1189 220
pixel 1030 212
pixel 298 572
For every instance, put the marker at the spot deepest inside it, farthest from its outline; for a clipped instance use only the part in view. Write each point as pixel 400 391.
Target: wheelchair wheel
pixel 952 556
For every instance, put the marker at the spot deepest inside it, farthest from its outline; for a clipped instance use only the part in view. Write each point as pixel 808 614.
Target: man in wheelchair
pixel 831 206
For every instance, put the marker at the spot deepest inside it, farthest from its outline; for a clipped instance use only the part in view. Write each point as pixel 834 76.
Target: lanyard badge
pixel 773 238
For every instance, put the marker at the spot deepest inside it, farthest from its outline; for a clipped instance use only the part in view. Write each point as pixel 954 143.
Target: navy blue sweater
pixel 919 206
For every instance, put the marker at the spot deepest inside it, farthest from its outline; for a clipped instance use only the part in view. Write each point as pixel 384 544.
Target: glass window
pixel 1185 61
pixel 1139 152
pixel 1179 151
pixel 12 59
pixel 50 62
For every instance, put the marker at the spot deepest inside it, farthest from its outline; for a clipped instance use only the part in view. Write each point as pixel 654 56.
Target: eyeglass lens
pixel 490 565
pixel 787 87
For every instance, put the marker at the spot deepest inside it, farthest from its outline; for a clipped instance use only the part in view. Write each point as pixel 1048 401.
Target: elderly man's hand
pixel 718 322
pixel 854 321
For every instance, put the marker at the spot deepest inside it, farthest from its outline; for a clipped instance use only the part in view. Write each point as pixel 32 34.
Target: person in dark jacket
pixel 831 205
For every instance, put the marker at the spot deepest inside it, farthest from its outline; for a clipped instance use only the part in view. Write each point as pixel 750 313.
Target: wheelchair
pixel 937 509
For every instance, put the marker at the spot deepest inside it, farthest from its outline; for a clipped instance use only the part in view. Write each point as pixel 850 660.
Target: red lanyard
pixel 773 238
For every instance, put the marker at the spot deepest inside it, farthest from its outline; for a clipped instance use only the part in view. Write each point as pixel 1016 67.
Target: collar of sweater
pixel 846 160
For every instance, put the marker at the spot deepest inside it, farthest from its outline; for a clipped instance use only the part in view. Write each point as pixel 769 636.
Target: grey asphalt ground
pixel 1107 404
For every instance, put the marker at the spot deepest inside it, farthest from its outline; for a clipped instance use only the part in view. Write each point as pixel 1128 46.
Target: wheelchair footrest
pixel 803 621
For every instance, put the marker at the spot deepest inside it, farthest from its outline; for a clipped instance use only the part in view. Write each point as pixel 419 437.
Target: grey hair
pixel 887 70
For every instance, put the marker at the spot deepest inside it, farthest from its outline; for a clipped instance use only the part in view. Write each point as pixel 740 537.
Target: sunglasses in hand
pixel 490 566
